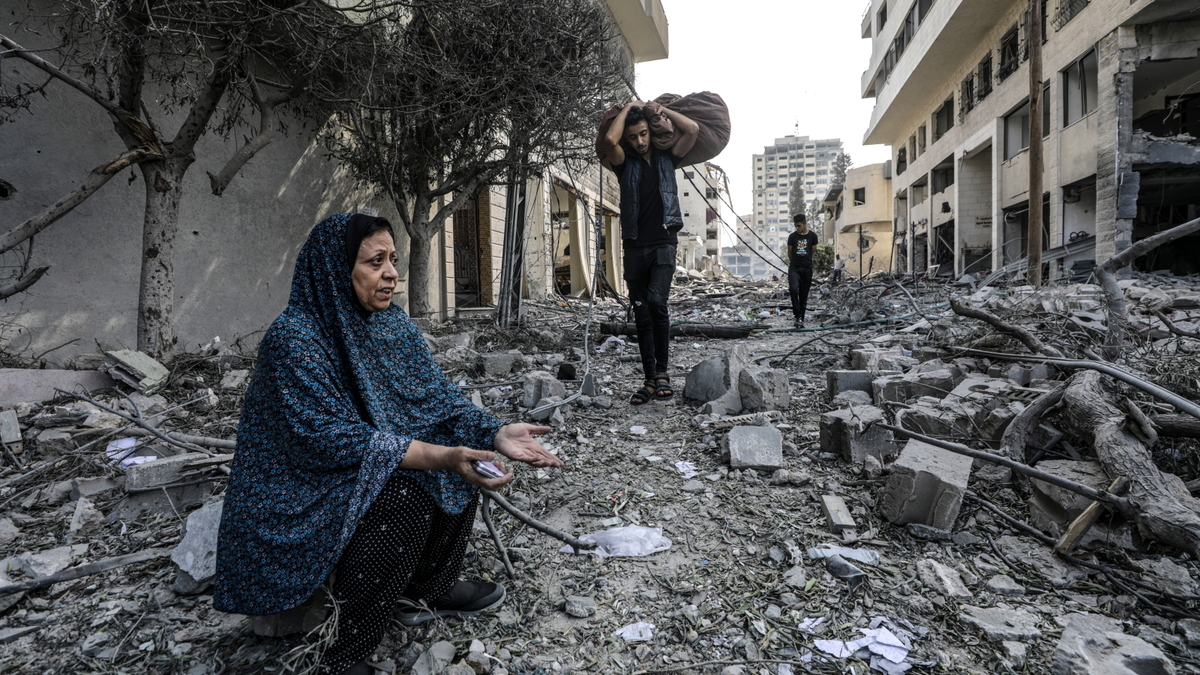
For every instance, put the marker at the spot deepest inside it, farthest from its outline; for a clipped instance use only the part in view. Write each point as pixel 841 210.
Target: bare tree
pixel 480 90
pixel 215 62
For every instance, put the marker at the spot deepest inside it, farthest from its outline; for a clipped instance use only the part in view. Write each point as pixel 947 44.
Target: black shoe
pixel 466 598
pixel 799 323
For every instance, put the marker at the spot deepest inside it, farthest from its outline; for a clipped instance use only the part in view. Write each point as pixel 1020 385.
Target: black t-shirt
pixel 650 204
pixel 801 246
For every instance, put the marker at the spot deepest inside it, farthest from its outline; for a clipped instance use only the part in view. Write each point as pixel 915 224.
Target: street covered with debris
pixel 930 478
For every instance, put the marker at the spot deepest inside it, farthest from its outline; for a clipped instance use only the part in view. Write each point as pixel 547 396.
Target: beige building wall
pixel 1142 55
pixel 862 221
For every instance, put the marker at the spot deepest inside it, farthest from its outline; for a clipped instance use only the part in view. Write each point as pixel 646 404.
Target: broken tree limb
pixel 1106 273
pixel 1092 493
pixel 86 570
pixel 133 420
pixel 1176 426
pixel 1176 330
pixel 1027 338
pixel 95 180
pixel 23 283
pixel 206 441
pixel 1085 520
pixel 684 329
pixel 1187 406
pixel 491 528
pixel 520 515
pixel 1161 506
pixel 1016 435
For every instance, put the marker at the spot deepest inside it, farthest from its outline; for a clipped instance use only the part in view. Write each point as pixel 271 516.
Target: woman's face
pixel 374 275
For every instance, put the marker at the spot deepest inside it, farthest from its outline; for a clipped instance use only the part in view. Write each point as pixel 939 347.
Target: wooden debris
pixel 1085 520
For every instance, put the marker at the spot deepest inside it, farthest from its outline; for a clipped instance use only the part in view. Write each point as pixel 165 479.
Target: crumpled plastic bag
pixel 636 632
pixel 616 344
pixel 630 541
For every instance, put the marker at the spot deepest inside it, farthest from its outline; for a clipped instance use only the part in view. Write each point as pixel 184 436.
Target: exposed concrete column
pixel 1116 182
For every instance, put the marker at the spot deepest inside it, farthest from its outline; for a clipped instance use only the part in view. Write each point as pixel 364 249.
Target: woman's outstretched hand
pixel 516 442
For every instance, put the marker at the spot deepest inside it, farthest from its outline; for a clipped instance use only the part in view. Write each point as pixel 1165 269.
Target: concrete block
pixel 942 579
pixel 162 471
pixel 889 389
pixel 926 486
pixel 18 385
pixel 997 623
pixel 868 358
pixel 545 414
pixel 852 434
pixel 755 448
pixel 710 379
pixel 729 403
pixel 837 516
pixel 540 384
pixel 195 557
pixel 763 389
pixel 1096 644
pixel 501 364
pixel 851 397
pixel 838 381
pixel 892 362
pixel 10 427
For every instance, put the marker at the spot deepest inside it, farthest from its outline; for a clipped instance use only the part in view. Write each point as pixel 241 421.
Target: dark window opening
pixel 860 196
pixel 942 176
pixel 901 160
pixel 983 83
pixel 943 119
pixel 1010 53
pixel 1080 81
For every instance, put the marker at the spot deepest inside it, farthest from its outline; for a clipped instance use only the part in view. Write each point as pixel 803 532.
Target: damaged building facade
pixel 858 219
pixel 1121 121
pixel 234 253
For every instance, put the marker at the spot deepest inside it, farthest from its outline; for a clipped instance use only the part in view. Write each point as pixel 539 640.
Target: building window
pixel 942 178
pixel 1079 87
pixel 943 119
pixel 1010 53
pixel 685 192
pixel 860 196
pixel 710 192
pixel 881 18
pixel 901 160
pixel 689 174
pixel 921 134
pixel 1016 131
pixel 983 83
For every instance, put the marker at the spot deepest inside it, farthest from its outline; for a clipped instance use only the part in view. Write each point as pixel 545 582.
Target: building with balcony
pixel 1121 116
pixel 858 218
pixel 703 192
pixel 788 160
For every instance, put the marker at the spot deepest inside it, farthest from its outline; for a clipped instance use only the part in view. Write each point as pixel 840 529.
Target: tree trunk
pixel 156 301
pixel 1164 509
pixel 420 264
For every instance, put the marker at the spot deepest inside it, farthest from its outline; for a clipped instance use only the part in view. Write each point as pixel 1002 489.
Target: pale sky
pixel 777 63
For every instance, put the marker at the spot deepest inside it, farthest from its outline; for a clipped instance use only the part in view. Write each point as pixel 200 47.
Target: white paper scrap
pixel 833 648
pixel 885 644
pixel 687 469
pixel 636 632
pixel 861 555
pixel 637 430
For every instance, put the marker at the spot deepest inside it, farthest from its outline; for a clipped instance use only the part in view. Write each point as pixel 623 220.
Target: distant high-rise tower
pixel 790 159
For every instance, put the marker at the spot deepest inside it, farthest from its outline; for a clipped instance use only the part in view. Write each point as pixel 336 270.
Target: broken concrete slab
pixel 763 389
pixel 195 557
pixel 851 397
pixel 20 385
pixel 755 448
pixel 926 486
pixel 1168 575
pixel 853 434
pixel 729 403
pixel 837 516
pixel 579 606
pixel 141 481
pixel 540 384
pixel 713 377
pixel 868 358
pixel 1002 584
pixel 49 562
pixel 10 427
pixel 8 531
pixel 942 579
pixel 162 471
pixel 1095 645
pixel 838 381
pixel 502 364
pixel 1041 558
pixel 1002 623
pixel 546 408
pixel 136 369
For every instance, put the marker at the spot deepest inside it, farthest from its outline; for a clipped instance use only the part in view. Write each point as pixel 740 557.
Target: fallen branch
pixel 1176 330
pixel 86 570
pixel 206 441
pixel 23 283
pixel 1016 436
pixel 133 420
pixel 1176 426
pixel 95 180
pixel 520 515
pixel 1027 338
pixel 491 528
pixel 1106 273
pixel 1160 504
pixel 1122 505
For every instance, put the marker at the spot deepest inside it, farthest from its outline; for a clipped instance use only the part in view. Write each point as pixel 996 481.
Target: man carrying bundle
pixel 650 219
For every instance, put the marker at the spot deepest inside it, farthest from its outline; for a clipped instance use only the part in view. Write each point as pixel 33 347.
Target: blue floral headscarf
pixel 337 396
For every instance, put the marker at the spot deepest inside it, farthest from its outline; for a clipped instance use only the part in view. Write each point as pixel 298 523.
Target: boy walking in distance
pixel 800 245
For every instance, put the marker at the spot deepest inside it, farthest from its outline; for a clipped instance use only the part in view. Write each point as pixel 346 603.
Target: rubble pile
pixel 777 516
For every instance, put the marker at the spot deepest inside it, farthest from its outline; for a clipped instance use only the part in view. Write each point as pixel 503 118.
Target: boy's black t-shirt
pixel 801 248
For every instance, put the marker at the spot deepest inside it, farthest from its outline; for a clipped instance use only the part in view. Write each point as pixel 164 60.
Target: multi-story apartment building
pixel 1122 113
pixel 703 192
pixel 790 159
pixel 738 257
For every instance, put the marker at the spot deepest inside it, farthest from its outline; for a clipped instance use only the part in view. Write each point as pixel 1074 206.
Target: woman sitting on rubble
pixel 356 456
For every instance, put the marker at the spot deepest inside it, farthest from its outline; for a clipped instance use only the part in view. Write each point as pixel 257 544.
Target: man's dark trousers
pixel 799 283
pixel 648 273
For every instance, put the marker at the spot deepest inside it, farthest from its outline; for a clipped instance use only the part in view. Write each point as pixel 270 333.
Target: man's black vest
pixel 662 163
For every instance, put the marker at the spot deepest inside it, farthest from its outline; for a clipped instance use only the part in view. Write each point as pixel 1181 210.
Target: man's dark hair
pixel 635 115
pixel 799 218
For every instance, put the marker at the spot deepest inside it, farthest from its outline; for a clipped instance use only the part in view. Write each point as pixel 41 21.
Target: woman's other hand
pixel 423 456
pixel 516 442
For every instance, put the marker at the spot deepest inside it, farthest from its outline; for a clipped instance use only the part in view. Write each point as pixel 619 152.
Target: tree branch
pixel 266 133
pixel 1118 309
pixel 23 283
pixel 94 181
pixel 1029 339
pixel 86 570
pixel 204 107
